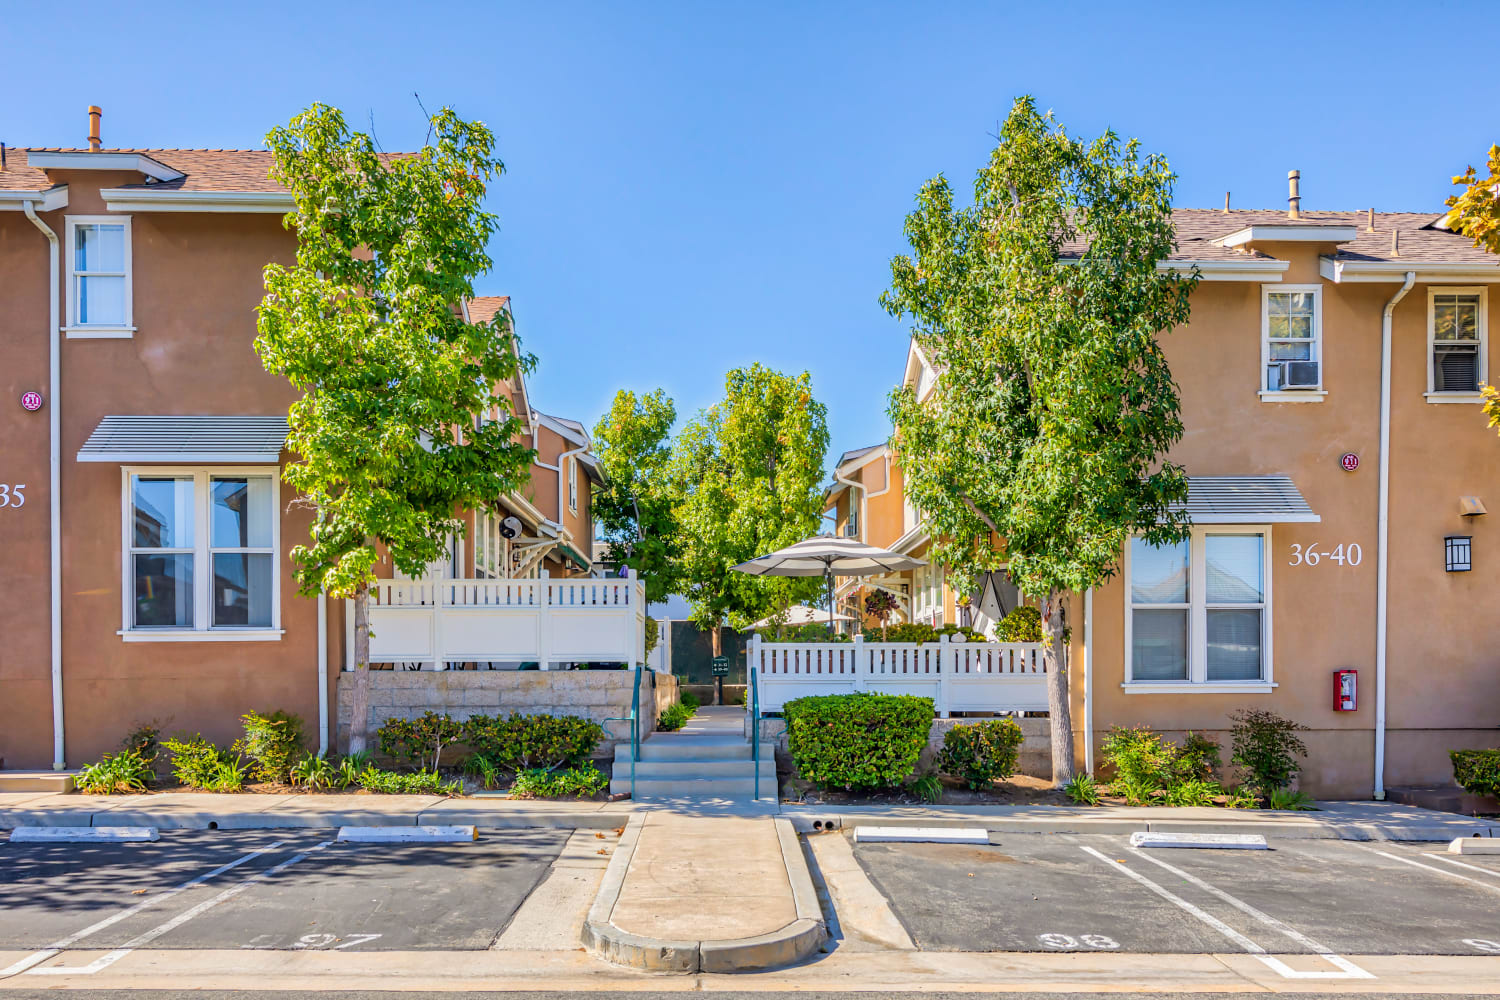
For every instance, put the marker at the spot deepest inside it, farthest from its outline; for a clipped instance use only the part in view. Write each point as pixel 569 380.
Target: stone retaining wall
pixel 1035 759
pixel 596 695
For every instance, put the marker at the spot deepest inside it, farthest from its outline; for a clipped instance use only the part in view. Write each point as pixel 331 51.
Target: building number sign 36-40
pixel 1350 554
pixel 12 495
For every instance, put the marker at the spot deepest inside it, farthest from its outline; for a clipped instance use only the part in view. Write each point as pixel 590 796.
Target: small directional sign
pixel 721 666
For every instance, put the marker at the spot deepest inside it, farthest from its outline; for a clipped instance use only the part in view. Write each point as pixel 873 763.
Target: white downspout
pixel 54 482
pixel 1088 681
pixel 322 674
pixel 1382 558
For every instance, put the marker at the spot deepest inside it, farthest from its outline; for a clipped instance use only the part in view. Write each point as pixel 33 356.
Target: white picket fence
pixel 435 622
pixel 957 676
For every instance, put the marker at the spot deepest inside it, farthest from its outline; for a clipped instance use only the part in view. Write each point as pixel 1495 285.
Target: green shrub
pixel 315 773
pixel 927 787
pixel 1192 792
pixel 910 632
pixel 981 753
pixel 145 741
pixel 420 740
pixel 1240 798
pixel 1082 789
pixel 1477 771
pixel 197 763
pixel 484 770
pixel 1139 757
pixel 674 718
pixel 857 740
pixel 1024 624
pixel 1285 798
pixel 1267 747
pixel 527 742
pixel 374 779
pixel 690 700
pixel 653 634
pixel 1135 791
pixel 537 783
pixel 1198 759
pixel 273 742
pixel 126 771
pixel 351 767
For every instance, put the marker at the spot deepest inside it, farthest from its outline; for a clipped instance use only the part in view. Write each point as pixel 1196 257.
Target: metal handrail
pixel 754 670
pixel 635 728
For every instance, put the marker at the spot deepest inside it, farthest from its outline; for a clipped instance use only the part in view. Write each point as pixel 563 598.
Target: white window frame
pixel 573 485
pixel 203 629
pixel 1197 625
pixel 851 523
pixel 97 331
pixel 1432 395
pixel 1267 394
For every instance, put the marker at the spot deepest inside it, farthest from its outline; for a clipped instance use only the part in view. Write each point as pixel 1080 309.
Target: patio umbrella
pixel 798 614
pixel 827 556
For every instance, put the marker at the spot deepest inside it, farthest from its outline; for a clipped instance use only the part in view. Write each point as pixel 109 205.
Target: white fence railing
pixel 437 622
pixel 957 676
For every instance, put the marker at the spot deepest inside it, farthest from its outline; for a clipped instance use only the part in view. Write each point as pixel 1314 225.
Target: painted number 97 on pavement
pixel 12 495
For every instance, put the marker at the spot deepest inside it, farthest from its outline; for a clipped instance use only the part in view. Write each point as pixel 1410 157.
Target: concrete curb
pixel 272 820
pixel 1287 828
pixel 784 946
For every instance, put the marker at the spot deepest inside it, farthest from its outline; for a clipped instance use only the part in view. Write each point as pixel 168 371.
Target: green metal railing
pixel 635 726
pixel 753 669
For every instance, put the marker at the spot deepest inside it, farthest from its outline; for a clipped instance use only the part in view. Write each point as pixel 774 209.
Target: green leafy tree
pixel 635 510
pixel 1476 210
pixel 748 475
pixel 400 425
pixel 1040 305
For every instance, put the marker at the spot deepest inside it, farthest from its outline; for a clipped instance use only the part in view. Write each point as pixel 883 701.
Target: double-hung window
pixel 1199 612
pixel 851 524
pixel 99 281
pixel 1291 341
pixel 200 558
pixel 1456 336
pixel 573 485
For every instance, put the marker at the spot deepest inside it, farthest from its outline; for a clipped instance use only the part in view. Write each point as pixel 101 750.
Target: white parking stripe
pixel 1473 868
pixel 105 961
pixel 1271 962
pixel 1323 951
pixel 52 949
pixel 1441 871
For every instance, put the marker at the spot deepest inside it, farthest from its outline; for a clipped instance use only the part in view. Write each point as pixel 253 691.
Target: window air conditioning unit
pixel 1292 375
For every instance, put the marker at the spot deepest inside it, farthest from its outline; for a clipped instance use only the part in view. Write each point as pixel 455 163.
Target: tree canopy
pixel 635 511
pixel 1476 214
pixel 402 423
pixel 1039 306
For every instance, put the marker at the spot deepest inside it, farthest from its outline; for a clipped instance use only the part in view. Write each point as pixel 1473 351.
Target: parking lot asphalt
pixel 1034 892
pixel 270 890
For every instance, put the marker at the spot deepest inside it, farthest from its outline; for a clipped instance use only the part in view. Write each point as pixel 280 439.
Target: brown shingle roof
pixel 236 170
pixel 482 308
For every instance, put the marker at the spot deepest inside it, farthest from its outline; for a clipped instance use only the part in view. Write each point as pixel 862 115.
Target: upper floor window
pixel 1456 336
pixel 200 552
pixel 1291 338
pixel 851 526
pixel 99 285
pixel 1199 611
pixel 573 485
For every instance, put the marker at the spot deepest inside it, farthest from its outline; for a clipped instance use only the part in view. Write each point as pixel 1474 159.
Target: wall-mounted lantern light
pixel 1458 553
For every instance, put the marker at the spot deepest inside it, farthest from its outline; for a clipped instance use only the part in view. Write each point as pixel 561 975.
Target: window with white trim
pixel 1291 338
pixel 200 553
pixel 1199 611
pixel 99 279
pixel 1456 337
pixel 851 524
pixel 573 485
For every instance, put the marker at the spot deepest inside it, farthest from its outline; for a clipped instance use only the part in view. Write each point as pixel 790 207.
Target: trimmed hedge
pixel 1477 771
pixel 857 741
pixel 527 742
pixel 981 753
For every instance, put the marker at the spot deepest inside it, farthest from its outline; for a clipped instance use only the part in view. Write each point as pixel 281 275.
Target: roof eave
pixel 42 200
pixel 1257 269
pixel 102 160
pixel 146 200
pixel 1394 271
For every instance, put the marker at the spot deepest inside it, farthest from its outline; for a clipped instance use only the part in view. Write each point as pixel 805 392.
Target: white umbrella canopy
pixel 800 614
pixel 828 556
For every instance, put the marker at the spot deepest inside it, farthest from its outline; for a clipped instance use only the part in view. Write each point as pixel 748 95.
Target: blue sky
pixel 693 187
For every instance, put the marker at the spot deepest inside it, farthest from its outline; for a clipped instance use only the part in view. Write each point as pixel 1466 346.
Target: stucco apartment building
pixel 1340 466
pixel 144 524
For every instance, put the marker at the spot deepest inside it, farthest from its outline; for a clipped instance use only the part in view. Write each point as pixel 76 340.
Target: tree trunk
pixel 715 644
pixel 1059 713
pixel 359 680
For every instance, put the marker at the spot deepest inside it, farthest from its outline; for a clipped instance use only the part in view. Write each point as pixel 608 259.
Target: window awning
pixel 125 438
pixel 1246 500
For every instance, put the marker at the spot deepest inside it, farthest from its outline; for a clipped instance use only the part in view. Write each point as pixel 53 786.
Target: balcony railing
pixel 957 676
pixel 434 624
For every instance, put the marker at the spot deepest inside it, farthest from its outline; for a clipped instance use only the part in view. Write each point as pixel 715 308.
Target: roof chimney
pixel 1294 196
pixel 95 112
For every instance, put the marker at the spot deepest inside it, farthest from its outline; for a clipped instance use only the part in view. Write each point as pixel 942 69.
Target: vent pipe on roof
pixel 95 113
pixel 1226 202
pixel 1370 224
pixel 1294 195
pixel 1395 242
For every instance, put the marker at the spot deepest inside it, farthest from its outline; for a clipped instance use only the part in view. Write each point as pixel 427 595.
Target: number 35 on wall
pixel 1345 555
pixel 12 495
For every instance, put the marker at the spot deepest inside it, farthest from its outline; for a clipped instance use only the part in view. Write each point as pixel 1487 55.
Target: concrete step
pixel 696 768
pixel 660 747
pixel 722 788
pixel 42 781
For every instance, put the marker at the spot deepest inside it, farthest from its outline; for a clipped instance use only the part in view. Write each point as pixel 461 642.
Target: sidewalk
pixel 208 811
